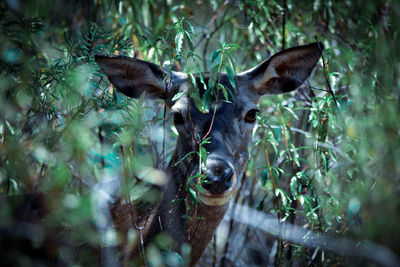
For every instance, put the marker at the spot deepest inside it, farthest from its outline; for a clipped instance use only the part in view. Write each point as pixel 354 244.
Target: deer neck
pixel 203 220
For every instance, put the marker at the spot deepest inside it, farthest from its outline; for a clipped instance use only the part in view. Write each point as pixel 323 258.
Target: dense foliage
pixel 323 159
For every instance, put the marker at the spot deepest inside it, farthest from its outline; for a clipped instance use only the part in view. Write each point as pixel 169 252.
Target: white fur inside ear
pixel 284 71
pixel 179 75
pixel 268 74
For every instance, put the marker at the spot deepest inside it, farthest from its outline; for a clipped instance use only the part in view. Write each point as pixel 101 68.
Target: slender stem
pixel 286 140
pixel 215 250
pixel 101 139
pixel 209 36
pixel 232 222
pixel 212 119
pixel 273 183
pixel 40 176
pixel 211 22
pixel 276 200
pixel 284 24
pixel 162 156
pixel 216 97
pixel 328 84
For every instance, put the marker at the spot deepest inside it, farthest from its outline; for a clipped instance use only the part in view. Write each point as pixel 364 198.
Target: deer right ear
pixel 132 76
pixel 285 71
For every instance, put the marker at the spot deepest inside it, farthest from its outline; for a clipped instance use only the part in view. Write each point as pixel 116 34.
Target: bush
pixel 323 161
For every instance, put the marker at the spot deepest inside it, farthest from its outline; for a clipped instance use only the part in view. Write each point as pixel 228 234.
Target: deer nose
pixel 219 178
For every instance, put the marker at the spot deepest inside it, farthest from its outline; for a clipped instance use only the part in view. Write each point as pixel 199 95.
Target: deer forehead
pixel 243 100
pixel 226 113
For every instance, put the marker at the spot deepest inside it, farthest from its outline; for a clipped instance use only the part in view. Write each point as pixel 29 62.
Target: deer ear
pixel 132 76
pixel 284 71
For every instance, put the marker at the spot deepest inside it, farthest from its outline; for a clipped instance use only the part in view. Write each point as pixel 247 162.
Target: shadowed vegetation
pixel 323 167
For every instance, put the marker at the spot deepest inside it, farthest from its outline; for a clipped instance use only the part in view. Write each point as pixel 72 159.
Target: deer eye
pixel 178 119
pixel 251 116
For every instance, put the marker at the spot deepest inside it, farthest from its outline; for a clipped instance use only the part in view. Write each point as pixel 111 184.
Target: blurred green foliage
pixel 332 167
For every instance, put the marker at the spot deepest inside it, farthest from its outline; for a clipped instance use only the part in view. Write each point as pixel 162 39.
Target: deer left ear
pixel 132 77
pixel 284 71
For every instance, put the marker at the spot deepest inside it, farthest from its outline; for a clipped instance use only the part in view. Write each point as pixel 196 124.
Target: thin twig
pixel 276 200
pixel 40 177
pixel 215 250
pixel 209 36
pixel 225 252
pixel 284 25
pixel 101 140
pixel 286 141
pixel 211 22
pixel 309 85
pixel 326 75
pixel 165 106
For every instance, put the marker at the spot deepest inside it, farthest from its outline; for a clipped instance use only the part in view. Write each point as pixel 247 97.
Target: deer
pixel 229 130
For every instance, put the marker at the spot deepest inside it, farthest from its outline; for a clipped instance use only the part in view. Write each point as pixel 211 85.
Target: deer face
pixel 230 127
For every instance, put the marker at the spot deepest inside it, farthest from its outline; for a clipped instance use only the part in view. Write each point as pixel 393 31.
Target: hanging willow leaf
pixel 179 42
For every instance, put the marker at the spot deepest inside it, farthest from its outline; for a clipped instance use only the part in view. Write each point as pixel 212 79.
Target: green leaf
pixel 197 102
pixel 315 123
pixel 324 161
pixel 203 154
pixel 278 133
pixel 10 128
pixel 232 62
pixel 206 141
pixel 293 187
pixel 291 112
pixel 201 79
pixel 192 79
pixel 179 42
pixel 285 198
pixel 260 205
pixel 215 55
pixel 206 100
pixel 193 195
pixel 188 154
pixel 261 141
pixel 318 177
pixel 147 40
pixel 224 91
pixel 190 27
pixel 231 77
pixel 197 175
pixel 174 202
pixel 264 177
pixel 189 40
pixel 276 170
pixel 295 155
pixel 177 96
pixel 194 94
pixel 232 46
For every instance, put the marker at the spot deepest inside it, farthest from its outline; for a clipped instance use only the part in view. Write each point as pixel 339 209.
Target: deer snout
pixel 220 182
pixel 217 184
pixel 219 177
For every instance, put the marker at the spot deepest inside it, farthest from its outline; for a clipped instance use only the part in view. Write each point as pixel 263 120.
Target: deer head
pixel 229 128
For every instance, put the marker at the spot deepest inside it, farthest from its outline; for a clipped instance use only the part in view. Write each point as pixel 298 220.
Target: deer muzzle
pixel 219 184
